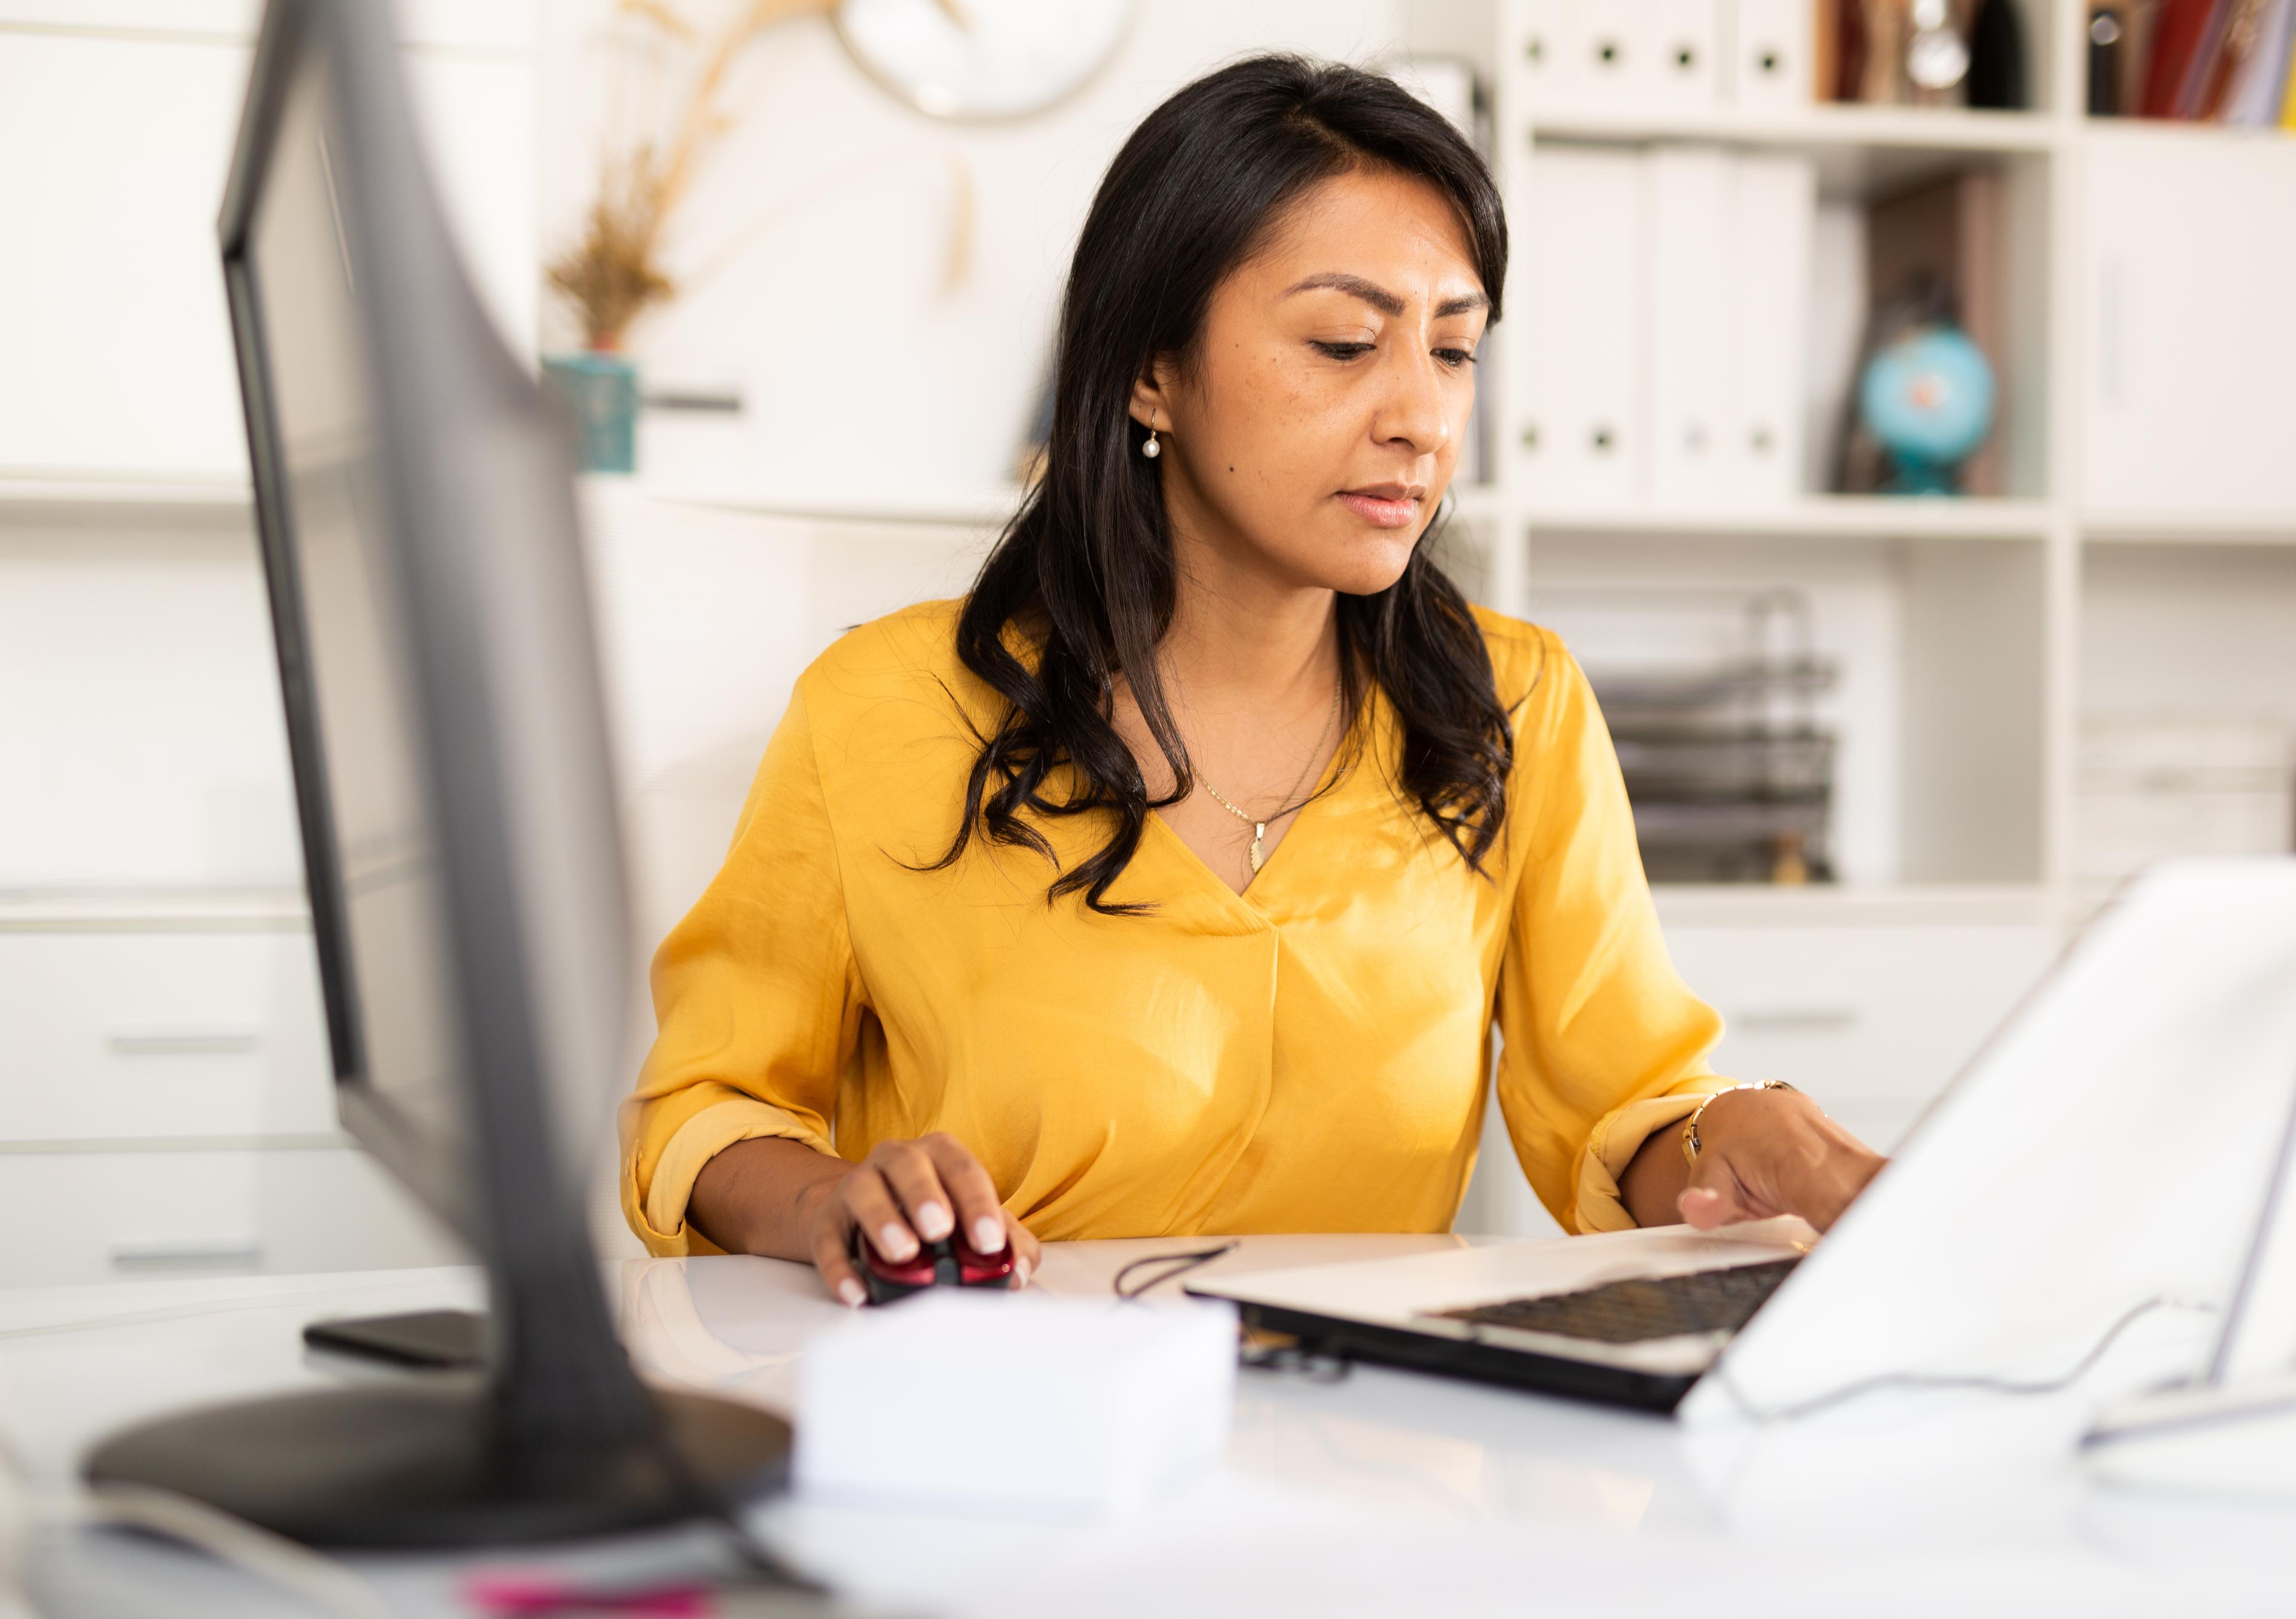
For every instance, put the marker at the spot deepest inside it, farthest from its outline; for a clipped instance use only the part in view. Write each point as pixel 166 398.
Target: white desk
pixel 1385 1494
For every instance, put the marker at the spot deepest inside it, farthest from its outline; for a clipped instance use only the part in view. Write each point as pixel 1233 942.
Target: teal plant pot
pixel 601 393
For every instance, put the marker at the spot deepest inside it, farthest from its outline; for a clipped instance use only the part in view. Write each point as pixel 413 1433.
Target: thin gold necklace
pixel 1259 827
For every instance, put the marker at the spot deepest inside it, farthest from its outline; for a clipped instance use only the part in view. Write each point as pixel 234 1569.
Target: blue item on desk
pixel 1927 399
pixel 600 391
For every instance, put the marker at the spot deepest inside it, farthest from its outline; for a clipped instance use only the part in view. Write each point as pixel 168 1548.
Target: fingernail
pixel 1021 1269
pixel 987 1236
pixel 853 1293
pixel 933 1222
pixel 896 1244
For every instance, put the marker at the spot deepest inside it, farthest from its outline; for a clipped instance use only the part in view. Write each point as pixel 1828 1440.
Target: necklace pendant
pixel 1258 831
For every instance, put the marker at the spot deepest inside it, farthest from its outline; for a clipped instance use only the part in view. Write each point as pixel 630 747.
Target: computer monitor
pixel 415 510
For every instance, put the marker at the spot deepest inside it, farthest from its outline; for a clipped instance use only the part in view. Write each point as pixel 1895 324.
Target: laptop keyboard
pixel 1646 1307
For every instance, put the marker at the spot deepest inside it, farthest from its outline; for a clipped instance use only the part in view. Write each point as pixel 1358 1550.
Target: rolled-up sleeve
pixel 1601 1043
pixel 757 997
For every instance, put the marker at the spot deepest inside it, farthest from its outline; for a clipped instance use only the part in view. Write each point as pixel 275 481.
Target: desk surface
pixel 1384 1492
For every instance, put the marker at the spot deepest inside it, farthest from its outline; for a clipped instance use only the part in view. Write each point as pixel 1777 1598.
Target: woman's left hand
pixel 1761 1153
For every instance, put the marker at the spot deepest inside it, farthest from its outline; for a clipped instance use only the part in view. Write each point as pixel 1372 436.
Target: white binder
pixel 1684 50
pixel 1773 216
pixel 1576 428
pixel 1541 50
pixel 1689 203
pixel 1771 46
pixel 1605 53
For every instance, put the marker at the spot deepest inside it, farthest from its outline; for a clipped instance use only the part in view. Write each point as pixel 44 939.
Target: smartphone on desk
pixel 423 1340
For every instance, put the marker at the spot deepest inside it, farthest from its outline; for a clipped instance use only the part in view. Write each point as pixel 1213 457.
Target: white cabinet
pixel 120 349
pixel 177 1034
pixel 2190 250
pixel 1872 1021
pixel 167 1103
pixel 141 727
pixel 119 356
pixel 89 1217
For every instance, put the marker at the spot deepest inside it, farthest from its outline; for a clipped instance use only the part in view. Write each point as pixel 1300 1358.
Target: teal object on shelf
pixel 600 391
pixel 1927 399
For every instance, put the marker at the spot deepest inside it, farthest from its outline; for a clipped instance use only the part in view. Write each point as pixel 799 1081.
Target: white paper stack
pixel 1024 1406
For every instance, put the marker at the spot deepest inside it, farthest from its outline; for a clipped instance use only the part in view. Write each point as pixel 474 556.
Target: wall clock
pixel 981 59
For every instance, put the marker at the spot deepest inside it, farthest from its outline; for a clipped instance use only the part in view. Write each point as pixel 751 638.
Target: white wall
pixel 117 123
pixel 828 211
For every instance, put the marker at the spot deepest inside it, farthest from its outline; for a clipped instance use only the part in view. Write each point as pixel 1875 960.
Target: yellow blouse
pixel 1307 1056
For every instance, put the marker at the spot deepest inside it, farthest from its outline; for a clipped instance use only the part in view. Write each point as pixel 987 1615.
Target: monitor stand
pixel 555 1437
pixel 435 1461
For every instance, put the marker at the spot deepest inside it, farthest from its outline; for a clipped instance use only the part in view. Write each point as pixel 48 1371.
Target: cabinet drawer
pixel 1873 1022
pixel 108 1035
pixel 75 1216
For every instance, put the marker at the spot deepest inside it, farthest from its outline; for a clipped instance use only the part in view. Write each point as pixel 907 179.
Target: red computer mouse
pixel 950 1262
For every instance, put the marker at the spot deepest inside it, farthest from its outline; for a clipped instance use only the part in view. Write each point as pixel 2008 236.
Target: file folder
pixel 1536 29
pixel 1770 65
pixel 1689 208
pixel 1772 218
pixel 1684 52
pixel 1608 65
pixel 1578 432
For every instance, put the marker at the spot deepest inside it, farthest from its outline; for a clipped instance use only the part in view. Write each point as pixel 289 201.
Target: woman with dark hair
pixel 1174 880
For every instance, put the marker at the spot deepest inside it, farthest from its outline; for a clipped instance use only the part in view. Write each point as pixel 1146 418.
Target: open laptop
pixel 2109 1147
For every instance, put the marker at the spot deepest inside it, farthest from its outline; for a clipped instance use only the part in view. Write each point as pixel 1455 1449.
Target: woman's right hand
pixel 903 1193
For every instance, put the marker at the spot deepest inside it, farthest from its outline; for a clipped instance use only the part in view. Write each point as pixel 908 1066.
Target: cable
pixel 1925 1380
pixel 1252 1357
pixel 1180 1265
pixel 227 1539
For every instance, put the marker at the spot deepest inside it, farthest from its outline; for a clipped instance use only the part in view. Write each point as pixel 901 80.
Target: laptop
pixel 2107 1149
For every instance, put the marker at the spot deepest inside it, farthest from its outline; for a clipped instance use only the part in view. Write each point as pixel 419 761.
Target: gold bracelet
pixel 1690 1143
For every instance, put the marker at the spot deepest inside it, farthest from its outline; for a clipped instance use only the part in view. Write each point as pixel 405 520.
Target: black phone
pixel 433 1340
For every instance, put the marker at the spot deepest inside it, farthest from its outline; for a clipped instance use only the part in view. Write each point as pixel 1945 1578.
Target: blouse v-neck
pixel 1329 782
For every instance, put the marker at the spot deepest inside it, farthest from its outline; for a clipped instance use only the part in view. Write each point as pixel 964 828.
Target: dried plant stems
pixel 613 274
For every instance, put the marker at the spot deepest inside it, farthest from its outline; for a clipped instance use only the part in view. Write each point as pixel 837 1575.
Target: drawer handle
pixel 1780 1018
pixel 185 1042
pixel 215 1254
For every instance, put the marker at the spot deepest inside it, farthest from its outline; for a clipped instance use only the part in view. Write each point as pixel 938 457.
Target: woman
pixel 1173 880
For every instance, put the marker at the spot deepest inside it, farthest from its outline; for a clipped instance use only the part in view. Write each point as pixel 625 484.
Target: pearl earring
pixel 1152 449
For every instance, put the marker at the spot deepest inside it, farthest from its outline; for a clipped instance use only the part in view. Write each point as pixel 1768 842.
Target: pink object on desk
pixel 520 1596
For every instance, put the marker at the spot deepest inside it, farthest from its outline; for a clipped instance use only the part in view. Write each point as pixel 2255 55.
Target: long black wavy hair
pixel 1085 572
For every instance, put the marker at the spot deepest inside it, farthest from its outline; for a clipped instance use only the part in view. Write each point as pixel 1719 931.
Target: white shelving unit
pixel 165 1103
pixel 2152 527
pixel 2094 310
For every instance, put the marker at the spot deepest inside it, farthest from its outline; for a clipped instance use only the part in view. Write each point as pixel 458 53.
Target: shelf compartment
pixel 1858 151
pixel 1939 708
pixel 2191 529
pixel 1861 517
pixel 1815 127
pixel 128 492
